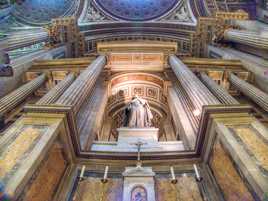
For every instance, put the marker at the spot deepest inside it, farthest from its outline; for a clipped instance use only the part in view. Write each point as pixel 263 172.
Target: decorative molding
pixel 93 14
pixel 181 14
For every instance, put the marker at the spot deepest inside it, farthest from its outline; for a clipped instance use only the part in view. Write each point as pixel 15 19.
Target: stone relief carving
pixel 93 14
pixel 181 14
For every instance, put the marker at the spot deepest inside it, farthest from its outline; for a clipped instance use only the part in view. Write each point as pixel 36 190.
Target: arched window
pixel 139 193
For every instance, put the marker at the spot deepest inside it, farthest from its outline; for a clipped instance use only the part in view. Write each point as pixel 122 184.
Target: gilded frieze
pixel 231 184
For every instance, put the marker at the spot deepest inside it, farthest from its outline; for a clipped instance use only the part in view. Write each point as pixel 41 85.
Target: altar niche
pixel 150 88
pixel 137 108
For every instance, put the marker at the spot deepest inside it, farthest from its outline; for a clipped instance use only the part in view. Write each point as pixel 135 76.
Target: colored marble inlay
pixel 185 189
pixel 13 152
pixel 138 10
pixel 110 191
pixel 47 178
pixel 230 182
pixel 254 144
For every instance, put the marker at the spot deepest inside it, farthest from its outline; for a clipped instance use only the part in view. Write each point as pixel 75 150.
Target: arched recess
pixel 122 87
pixel 139 193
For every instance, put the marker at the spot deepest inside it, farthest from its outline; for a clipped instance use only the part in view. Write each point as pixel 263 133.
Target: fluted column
pixel 22 39
pixel 250 91
pixel 181 108
pixel 218 90
pixel 91 114
pixel 53 94
pixel 195 89
pixel 250 38
pixel 10 101
pixel 82 86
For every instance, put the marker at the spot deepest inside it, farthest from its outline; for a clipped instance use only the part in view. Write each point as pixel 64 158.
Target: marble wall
pixel 230 182
pixel 46 179
pixel 110 191
pixel 17 148
pixel 255 145
pixel 186 189
pixel 33 157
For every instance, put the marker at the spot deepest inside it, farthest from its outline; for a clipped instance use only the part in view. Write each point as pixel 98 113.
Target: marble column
pixel 186 124
pixel 22 39
pixel 195 89
pixel 255 94
pixel 91 114
pixel 218 90
pixel 10 101
pixel 76 94
pixel 53 94
pixel 251 38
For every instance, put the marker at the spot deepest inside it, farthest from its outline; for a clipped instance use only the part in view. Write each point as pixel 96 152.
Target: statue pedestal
pixel 132 135
pixel 128 137
pixel 139 181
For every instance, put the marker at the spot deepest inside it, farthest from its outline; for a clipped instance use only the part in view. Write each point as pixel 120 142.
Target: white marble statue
pixel 138 114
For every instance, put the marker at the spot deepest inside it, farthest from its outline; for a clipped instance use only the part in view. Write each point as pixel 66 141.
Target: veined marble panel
pixel 17 148
pixel 231 184
pixel 185 190
pixel 46 179
pixel 255 145
pixel 94 190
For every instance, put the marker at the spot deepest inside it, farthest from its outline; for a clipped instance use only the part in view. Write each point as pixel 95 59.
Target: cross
pixel 139 144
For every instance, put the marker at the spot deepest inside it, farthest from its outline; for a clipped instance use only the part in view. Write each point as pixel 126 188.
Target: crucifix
pixel 139 144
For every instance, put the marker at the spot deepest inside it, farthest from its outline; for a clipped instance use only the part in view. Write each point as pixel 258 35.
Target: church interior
pixel 134 100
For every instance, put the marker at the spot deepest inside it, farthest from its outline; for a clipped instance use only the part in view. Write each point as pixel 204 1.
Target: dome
pixel 42 11
pixel 138 10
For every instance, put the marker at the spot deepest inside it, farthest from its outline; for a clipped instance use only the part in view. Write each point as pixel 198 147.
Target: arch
pixel 124 86
pixel 139 193
pixel 123 77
